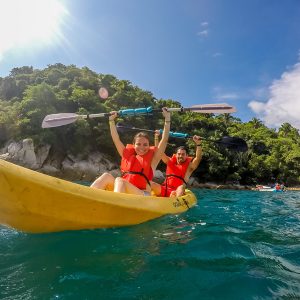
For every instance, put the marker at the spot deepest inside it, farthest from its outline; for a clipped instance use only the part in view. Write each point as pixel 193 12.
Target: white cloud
pixel 204 30
pixel 203 33
pixel 217 54
pixel 257 107
pixel 228 96
pixel 220 93
pixel 283 104
pixel 259 92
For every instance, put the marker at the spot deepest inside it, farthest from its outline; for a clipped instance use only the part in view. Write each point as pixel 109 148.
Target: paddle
pixel 230 142
pixel 55 120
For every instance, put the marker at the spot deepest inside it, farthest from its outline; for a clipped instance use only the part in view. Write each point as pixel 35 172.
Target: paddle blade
pixel 233 143
pixel 56 120
pixel 221 108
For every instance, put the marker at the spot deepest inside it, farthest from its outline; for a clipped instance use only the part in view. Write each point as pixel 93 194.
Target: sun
pixel 25 23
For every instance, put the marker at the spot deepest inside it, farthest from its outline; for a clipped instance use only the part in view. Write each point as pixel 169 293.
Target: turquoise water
pixel 233 245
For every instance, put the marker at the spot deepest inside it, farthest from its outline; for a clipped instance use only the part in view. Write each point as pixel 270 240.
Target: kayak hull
pixel 37 203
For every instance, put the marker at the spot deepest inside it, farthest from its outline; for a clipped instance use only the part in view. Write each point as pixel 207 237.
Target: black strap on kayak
pixel 166 182
pixel 185 202
pixel 138 173
pixel 173 175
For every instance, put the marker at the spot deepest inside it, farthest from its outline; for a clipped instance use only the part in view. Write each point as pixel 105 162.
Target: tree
pixel 27 96
pixel 287 130
pixel 8 88
pixel 20 71
pixel 38 101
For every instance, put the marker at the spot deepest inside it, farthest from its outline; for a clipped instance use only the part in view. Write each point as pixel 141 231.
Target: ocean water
pixel 233 245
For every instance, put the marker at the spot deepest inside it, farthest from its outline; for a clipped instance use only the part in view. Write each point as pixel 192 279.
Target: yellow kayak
pixel 35 202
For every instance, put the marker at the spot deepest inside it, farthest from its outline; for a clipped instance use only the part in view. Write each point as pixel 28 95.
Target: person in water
pixel 138 163
pixel 179 169
pixel 277 186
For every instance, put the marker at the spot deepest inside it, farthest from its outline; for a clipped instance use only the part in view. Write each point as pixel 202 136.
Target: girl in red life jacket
pixel 139 161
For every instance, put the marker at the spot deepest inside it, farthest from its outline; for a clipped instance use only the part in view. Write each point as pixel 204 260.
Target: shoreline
pixel 215 186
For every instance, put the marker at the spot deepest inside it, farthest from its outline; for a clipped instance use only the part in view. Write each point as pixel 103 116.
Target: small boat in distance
pixel 265 188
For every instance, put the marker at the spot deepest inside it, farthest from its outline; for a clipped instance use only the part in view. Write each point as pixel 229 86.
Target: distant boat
pixel 267 189
pixel 264 188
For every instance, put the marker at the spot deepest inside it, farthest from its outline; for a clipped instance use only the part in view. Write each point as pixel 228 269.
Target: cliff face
pixel 66 166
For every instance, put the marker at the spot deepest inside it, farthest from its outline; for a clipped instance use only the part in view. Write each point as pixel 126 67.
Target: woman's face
pixel 141 145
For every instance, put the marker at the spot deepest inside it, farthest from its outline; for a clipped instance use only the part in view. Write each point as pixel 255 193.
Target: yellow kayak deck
pixel 35 202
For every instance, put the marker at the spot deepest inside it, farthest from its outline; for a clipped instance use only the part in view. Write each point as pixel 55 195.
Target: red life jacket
pixel 175 173
pixel 277 187
pixel 137 168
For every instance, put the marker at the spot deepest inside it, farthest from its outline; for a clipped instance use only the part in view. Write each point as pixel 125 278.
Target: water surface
pixel 233 245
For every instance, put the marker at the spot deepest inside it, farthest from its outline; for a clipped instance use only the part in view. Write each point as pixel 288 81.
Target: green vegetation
pixel 28 95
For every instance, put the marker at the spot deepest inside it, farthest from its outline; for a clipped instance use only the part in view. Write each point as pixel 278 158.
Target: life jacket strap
pixel 173 175
pixel 166 182
pixel 138 173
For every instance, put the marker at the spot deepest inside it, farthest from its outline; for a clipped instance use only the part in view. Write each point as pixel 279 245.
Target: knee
pixel 103 181
pixel 120 185
pixel 173 194
pixel 119 180
pixel 105 177
pixel 180 191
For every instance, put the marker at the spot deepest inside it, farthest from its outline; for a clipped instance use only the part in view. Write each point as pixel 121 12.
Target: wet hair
pixel 141 134
pixel 181 148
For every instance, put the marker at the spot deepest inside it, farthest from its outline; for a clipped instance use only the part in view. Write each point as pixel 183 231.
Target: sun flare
pixel 26 23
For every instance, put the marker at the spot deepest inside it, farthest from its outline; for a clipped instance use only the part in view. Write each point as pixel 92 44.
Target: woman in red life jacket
pixel 179 169
pixel 138 163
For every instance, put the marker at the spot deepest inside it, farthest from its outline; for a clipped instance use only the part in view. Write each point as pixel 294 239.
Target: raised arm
pixel 196 161
pixel 163 143
pixel 156 138
pixel 164 157
pixel 114 133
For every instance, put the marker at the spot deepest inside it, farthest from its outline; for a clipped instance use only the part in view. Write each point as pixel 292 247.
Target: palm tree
pixel 256 123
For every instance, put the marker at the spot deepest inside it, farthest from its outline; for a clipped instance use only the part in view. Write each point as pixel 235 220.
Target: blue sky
pixel 245 53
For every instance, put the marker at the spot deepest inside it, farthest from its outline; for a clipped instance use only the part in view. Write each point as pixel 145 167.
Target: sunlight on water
pixel 232 245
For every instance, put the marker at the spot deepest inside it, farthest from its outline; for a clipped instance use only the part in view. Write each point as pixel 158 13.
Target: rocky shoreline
pixel 68 166
pixel 77 168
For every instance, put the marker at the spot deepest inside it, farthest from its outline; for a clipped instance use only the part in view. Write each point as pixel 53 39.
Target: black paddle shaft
pixel 230 142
